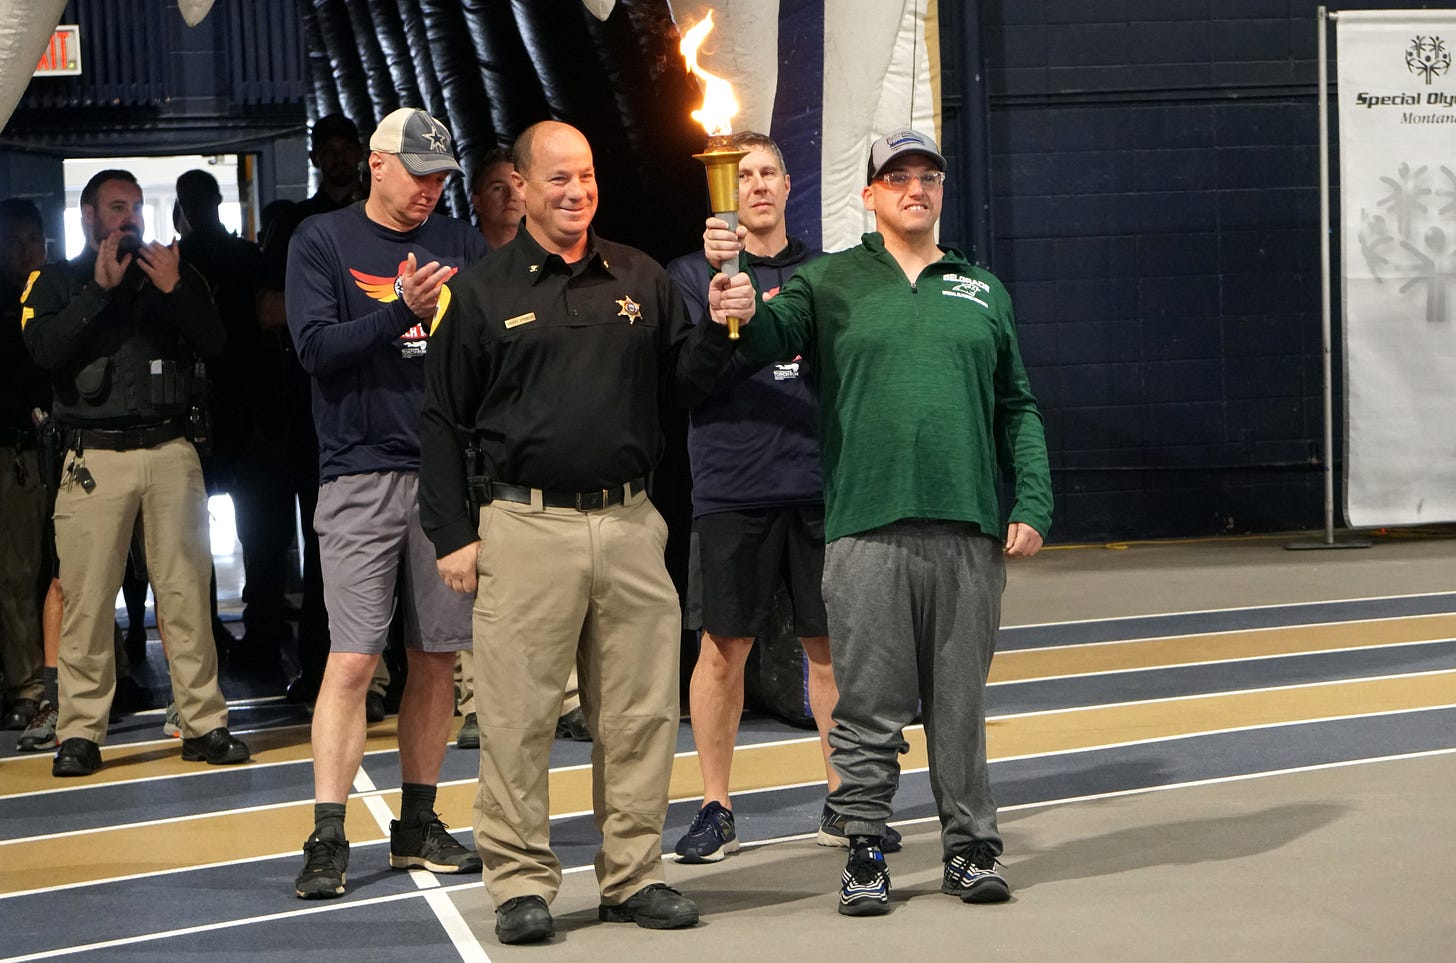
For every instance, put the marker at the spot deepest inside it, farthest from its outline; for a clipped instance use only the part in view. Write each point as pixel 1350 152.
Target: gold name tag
pixel 520 319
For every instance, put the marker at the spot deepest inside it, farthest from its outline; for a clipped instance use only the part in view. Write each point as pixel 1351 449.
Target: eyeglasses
pixel 899 180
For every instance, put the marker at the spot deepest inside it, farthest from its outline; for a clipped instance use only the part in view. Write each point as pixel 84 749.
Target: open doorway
pixel 157 177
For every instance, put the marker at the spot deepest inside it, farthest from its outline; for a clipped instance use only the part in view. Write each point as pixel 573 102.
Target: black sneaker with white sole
pixel 428 846
pixel 325 866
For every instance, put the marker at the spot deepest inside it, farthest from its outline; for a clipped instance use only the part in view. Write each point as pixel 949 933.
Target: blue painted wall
pixel 1155 213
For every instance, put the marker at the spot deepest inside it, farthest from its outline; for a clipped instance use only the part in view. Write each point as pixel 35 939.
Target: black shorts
pixel 739 559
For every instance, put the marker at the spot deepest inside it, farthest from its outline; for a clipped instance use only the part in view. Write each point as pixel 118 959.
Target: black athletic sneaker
pixel 428 846
pixel 524 919
pixel 972 876
pixel 864 889
pixel 325 862
pixel 655 906
pixel 831 832
pixel 710 837
pixel 77 757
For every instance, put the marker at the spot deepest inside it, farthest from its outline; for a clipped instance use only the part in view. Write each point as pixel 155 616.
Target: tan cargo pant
pixel 465 686
pixel 93 531
pixel 558 587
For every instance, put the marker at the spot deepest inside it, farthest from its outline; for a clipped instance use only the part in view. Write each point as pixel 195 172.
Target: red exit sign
pixel 62 57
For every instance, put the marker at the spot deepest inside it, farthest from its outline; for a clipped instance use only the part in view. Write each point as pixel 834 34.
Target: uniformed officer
pixel 23 388
pixel 118 328
pixel 554 354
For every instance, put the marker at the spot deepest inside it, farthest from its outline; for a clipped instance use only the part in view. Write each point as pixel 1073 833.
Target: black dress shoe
pixel 219 747
pixel 655 906
pixel 20 714
pixel 76 757
pixel 524 919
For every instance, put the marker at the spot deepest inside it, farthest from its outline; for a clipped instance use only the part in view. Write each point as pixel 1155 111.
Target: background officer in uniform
pixel 119 331
pixel 24 560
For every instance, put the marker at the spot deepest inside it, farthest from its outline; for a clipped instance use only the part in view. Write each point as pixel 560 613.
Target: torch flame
pixel 719 104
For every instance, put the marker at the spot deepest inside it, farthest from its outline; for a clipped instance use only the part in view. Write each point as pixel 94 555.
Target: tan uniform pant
pixel 22 555
pixel 93 531
pixel 465 686
pixel 560 587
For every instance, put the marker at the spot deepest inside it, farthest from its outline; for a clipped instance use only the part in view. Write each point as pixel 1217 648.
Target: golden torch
pixel 720 159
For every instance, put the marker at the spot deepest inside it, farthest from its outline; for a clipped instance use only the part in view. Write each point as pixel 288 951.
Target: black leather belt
pixel 126 439
pixel 581 501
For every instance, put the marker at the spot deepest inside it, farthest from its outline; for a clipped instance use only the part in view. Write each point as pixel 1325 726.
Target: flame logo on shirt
pixel 387 289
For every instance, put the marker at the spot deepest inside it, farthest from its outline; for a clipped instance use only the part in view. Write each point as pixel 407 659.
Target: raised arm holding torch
pixel 721 158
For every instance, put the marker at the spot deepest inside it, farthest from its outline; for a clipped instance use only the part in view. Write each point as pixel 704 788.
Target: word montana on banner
pixel 1397 117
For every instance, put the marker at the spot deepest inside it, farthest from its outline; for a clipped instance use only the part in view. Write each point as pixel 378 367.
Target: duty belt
pixel 125 439
pixel 581 501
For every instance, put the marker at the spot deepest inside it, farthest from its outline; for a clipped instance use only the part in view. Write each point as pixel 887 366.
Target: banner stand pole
pixel 1326 337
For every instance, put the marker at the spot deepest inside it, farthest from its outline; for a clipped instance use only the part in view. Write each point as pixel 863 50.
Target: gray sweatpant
pixel 913 611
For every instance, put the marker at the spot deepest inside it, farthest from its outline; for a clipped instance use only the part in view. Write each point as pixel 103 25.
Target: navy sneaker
pixel 831 832
pixel 972 876
pixel 864 889
pixel 710 837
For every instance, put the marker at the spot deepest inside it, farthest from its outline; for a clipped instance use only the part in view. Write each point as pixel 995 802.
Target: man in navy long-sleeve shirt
pixel 366 286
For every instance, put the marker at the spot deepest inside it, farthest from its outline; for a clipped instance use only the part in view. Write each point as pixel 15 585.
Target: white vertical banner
pixel 1397 117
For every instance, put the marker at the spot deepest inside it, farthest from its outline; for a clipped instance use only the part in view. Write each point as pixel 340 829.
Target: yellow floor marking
pixel 1019 665
pixel 231 836
pixel 120 763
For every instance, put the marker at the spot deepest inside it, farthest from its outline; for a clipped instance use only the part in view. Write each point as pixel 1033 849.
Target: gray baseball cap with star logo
pixel 421 142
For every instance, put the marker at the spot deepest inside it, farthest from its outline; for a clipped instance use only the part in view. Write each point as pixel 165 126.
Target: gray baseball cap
pixel 421 142
pixel 897 143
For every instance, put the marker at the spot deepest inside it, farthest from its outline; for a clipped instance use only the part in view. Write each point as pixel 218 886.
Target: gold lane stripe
pixel 24 774
pixel 1019 665
pixel 225 837
pixel 125 763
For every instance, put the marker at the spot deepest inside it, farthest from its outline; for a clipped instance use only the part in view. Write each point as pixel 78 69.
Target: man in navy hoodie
pixel 758 513
pixel 366 286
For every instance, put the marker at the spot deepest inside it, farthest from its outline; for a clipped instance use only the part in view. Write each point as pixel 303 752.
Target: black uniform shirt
pixel 99 345
pixel 558 370
pixel 23 385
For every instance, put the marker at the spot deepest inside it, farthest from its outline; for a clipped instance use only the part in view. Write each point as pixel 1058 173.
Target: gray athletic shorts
pixel 369 538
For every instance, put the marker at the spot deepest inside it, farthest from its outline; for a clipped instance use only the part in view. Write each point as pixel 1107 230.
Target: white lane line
pixel 1052 753
pixel 251 765
pixel 1145 669
pixel 372 794
pixel 1235 608
pixel 1226 694
pixel 439 902
pixel 445 891
pixel 1262 630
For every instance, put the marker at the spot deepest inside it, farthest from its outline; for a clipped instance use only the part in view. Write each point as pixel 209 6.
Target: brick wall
pixel 1155 213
